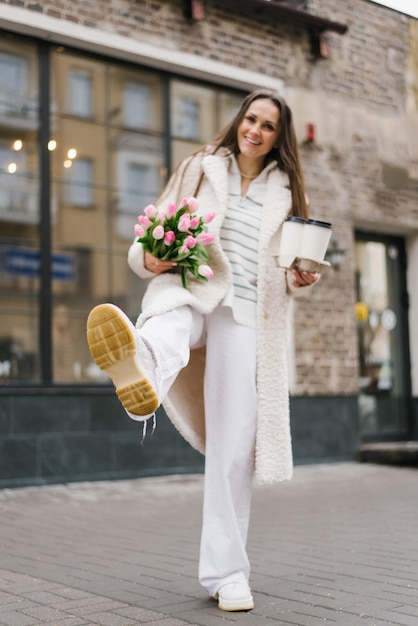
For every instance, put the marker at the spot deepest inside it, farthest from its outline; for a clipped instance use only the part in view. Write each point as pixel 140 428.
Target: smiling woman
pixel 210 352
pixel 257 134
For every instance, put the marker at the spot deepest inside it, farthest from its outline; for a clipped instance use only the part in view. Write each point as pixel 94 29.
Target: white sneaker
pixel 235 597
pixel 114 346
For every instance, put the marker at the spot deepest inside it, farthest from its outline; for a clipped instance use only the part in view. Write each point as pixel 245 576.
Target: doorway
pixel 385 405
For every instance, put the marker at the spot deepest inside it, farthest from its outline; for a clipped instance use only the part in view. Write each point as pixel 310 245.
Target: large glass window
pixel 107 165
pixel 112 133
pixel 19 212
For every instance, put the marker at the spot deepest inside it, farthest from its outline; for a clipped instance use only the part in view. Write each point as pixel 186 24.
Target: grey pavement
pixel 338 544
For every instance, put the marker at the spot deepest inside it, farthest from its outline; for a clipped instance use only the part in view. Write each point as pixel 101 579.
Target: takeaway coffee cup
pixel 291 240
pixel 315 240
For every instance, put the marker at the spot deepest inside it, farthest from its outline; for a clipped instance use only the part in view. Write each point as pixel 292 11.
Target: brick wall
pixel 278 50
pixel 368 64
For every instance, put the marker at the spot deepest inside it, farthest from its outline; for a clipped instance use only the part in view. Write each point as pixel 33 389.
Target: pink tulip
pixel 160 217
pixel 171 210
pixel 205 270
pixel 183 203
pixel 150 210
pixel 139 231
pixel 190 241
pixel 184 223
pixel 144 221
pixel 205 238
pixel 169 237
pixel 193 204
pixel 194 223
pixel 209 217
pixel 158 232
pixel 183 250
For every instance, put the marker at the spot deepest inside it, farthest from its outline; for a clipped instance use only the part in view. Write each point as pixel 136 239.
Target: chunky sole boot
pixel 113 344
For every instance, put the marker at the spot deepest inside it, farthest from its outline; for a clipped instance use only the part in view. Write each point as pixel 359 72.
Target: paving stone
pixel 336 545
pixel 44 614
pixel 111 619
pixel 15 618
pixel 139 614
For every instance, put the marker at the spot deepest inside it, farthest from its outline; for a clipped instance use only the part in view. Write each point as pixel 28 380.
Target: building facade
pixel 98 102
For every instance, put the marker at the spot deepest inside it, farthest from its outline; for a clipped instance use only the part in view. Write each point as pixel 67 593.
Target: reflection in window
pixel 12 74
pixel 18 201
pixel 188 118
pixel 229 105
pixel 80 93
pixel 141 183
pixel 138 180
pixel 197 114
pixel 137 100
pixel 14 86
pixel 100 107
pixel 6 159
pixel 138 175
pixel 79 191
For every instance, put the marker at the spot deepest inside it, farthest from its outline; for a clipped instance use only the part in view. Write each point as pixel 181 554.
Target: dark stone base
pixel 68 435
pixel 48 438
pixel 390 453
pixel 324 428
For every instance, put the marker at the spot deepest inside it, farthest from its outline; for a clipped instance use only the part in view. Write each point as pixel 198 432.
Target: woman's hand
pixel 158 266
pixel 303 279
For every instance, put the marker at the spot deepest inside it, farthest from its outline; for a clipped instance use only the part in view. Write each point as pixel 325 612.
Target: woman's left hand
pixel 303 279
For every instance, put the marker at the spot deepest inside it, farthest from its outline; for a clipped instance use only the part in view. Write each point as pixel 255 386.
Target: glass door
pixel 381 312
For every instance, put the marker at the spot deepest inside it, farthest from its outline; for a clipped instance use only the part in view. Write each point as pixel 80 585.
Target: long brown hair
pixel 285 152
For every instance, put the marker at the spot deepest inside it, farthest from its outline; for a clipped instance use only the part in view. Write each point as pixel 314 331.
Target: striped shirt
pixel 239 240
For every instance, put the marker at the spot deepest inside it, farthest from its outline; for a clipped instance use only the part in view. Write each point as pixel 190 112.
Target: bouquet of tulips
pixel 179 235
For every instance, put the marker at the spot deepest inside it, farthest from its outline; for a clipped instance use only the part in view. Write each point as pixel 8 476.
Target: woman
pixel 215 353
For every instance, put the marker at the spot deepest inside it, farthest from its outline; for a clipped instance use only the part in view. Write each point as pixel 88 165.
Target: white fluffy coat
pixel 184 402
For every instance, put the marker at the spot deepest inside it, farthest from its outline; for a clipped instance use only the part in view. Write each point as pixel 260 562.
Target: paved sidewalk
pixel 336 545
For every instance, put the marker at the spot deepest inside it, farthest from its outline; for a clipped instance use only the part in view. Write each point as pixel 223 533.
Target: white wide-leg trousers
pixel 230 414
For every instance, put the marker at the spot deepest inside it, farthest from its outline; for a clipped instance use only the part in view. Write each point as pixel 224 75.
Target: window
pixel 13 84
pixel 188 119
pixel 134 98
pixel 17 201
pixel 137 101
pixel 139 183
pixel 137 177
pixel 79 190
pixel 194 117
pixel 80 93
pixel 112 147
pixel 12 74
